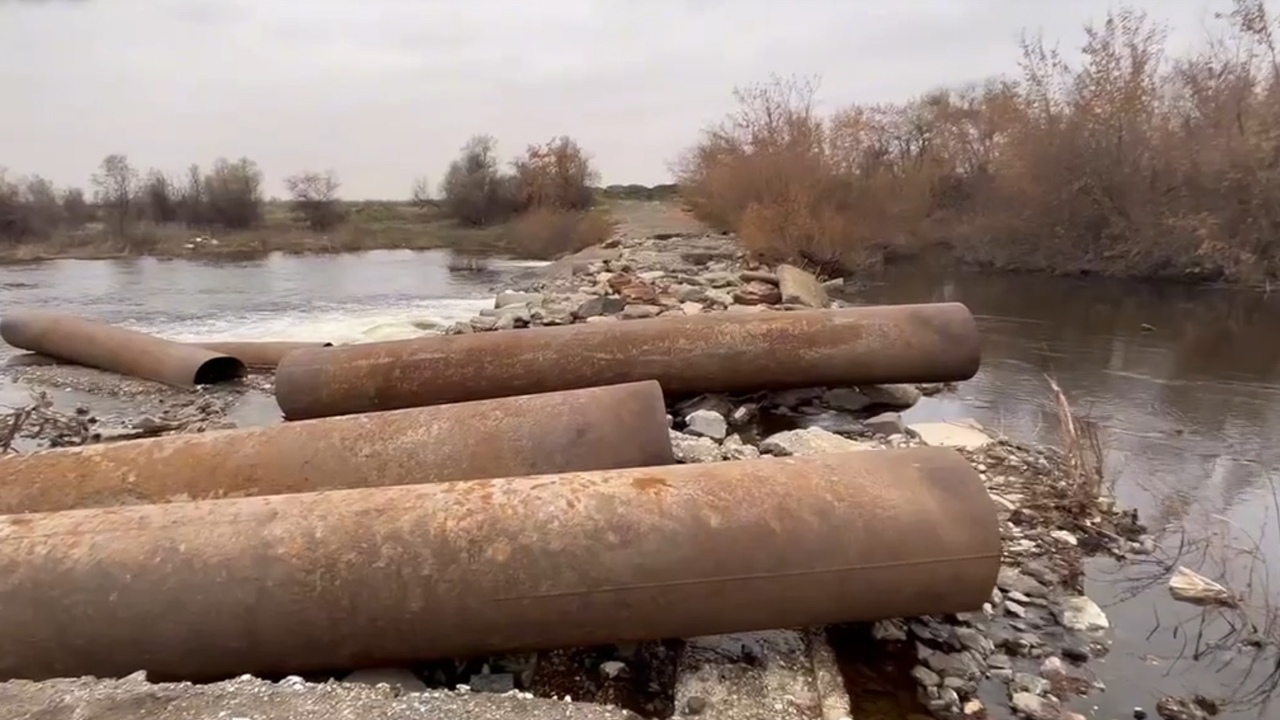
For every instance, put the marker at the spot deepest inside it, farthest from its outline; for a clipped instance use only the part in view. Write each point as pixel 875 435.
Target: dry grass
pixel 1081 446
pixel 39 421
pixel 546 234
pixel 1130 163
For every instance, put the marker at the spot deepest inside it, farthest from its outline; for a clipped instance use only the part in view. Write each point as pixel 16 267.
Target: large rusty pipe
pixel 609 427
pixel 390 576
pixel 128 352
pixel 258 353
pixel 253 353
pixel 722 352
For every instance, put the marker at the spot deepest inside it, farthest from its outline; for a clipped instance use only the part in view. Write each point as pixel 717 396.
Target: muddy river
pixel 1183 384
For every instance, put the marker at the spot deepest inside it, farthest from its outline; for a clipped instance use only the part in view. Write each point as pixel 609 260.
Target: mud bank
pixel 1032 651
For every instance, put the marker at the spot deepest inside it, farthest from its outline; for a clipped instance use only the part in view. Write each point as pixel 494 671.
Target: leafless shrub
pixel 315 199
pixel 1130 163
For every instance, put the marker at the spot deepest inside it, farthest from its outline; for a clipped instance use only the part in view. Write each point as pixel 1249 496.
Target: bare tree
pixel 420 194
pixel 315 198
pixel 116 185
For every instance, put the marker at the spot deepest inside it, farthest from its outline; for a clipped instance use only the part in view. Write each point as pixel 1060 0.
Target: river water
pixel 1183 384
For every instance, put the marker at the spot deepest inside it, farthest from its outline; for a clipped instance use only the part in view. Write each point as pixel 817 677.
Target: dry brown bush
pixel 1129 163
pixel 548 233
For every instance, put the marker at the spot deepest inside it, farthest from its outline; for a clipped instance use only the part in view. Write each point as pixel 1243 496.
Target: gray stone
pixel 482 323
pixel 735 449
pixel 1011 579
pixel 599 305
pixel 889 631
pixel 1034 707
pixel 809 441
pixel 925 676
pixel 964 665
pixel 757 292
pixel 690 449
pixel 509 297
pixel 689 293
pixel 800 287
pixel 492 683
pixel 706 423
pixel 1028 683
pixel 718 297
pixel 973 640
pixel 719 279
pixel 889 423
pixel 640 312
pixel 900 396
pixel 846 399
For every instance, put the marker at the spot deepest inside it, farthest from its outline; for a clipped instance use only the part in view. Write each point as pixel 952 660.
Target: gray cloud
pixel 384 90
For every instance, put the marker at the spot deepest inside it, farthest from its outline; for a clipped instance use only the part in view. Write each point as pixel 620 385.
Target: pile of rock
pixel 1037 634
pixel 645 279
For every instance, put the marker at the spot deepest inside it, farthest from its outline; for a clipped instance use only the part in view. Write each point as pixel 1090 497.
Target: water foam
pixel 336 324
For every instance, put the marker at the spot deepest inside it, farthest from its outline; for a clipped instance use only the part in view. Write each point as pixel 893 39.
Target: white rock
pixel 690 449
pixel 735 449
pixel 1080 613
pixel 810 441
pixel 706 423
pixel 966 434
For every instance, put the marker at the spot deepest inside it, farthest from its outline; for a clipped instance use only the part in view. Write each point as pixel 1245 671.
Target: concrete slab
pixel 966 434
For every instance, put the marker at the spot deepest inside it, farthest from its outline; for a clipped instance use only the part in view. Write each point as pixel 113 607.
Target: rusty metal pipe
pixel 702 353
pixel 258 353
pixel 592 429
pixel 128 352
pixel 253 353
pixel 389 576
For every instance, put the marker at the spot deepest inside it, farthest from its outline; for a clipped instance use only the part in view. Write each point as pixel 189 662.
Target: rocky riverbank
pixel 1030 651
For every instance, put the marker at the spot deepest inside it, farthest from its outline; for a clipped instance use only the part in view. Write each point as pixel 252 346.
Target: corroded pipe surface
pixel 128 352
pixel 253 353
pixel 593 429
pixel 389 576
pixel 719 352
pixel 258 353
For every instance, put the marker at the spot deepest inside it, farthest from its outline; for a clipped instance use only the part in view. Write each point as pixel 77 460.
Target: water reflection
pixel 1185 384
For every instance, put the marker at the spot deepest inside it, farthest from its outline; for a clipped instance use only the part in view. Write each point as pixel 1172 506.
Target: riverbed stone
pixel 757 292
pixel 599 305
pixel 1035 707
pixel 692 449
pixel 846 399
pixel 511 297
pixel 889 423
pixel 706 423
pixel 799 287
pixel 640 312
pixel 809 441
pixel 734 448
pixel 1011 579
pixel 962 434
pixel 899 396
pixel 1081 613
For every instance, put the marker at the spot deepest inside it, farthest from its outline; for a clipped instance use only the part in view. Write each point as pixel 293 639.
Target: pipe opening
pixel 223 368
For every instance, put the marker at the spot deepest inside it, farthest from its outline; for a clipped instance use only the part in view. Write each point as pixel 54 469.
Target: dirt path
pixel 641 218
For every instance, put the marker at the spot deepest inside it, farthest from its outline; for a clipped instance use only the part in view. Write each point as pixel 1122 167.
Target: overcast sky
pixel 384 90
